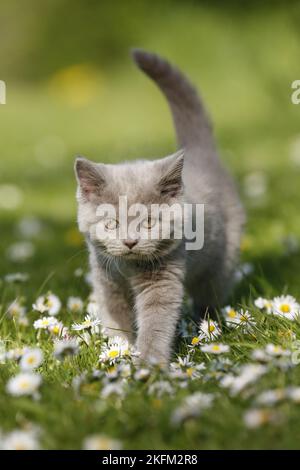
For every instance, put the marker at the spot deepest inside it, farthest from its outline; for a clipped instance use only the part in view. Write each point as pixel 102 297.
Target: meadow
pixel 234 384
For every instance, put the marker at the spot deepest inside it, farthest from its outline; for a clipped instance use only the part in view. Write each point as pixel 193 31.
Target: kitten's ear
pixel 170 183
pixel 90 177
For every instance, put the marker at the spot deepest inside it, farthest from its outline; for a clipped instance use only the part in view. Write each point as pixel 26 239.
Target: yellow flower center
pixel 31 360
pixel 232 313
pixel 195 340
pixel 285 308
pixel 24 384
pixel 112 354
pixel 55 329
pixel 212 328
pixel 190 371
pixel 216 348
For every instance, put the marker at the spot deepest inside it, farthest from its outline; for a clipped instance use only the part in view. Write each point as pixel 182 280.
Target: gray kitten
pixel 139 282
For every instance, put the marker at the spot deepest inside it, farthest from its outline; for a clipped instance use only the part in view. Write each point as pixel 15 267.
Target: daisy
pixel 116 348
pixel 192 407
pixel 277 351
pixel 31 359
pixel 214 348
pixel 209 330
pixel 142 374
pixel 92 308
pixel 231 315
pixel 293 393
pixel 160 388
pixel 271 397
pixel 49 303
pixel 65 347
pixel 245 320
pixel 24 383
pixel 19 440
pixel 101 442
pixel 15 354
pixel 195 341
pixel 286 306
pixel 115 388
pixel 89 323
pixel 16 309
pixel 256 418
pixel 75 304
pixel 58 329
pixel 20 251
pixel 264 304
pixel 44 323
pixel 249 373
pixel 16 277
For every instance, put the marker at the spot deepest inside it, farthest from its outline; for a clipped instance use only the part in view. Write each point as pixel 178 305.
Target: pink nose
pixel 130 243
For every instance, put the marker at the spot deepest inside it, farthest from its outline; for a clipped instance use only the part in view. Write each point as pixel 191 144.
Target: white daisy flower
pixel 29 227
pixel 245 321
pixel 209 330
pixel 116 348
pixel 24 383
pixel 101 442
pixel 88 324
pixel 75 304
pixel 44 323
pixel 231 315
pixel 49 303
pixel 286 306
pixel 196 340
pixel 277 351
pixel 293 393
pixel 192 407
pixel 240 317
pixel 15 354
pixel 16 277
pixel 214 348
pixel 65 347
pixel 20 440
pixel 160 388
pixel 16 309
pixel 92 308
pixel 58 329
pixel 31 359
pixel 20 251
pixel 256 418
pixel 249 373
pixel 264 304
pixel 142 374
pixel 115 388
pixel 271 397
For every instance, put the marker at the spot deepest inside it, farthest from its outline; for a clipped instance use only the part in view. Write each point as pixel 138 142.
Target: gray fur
pixel 143 290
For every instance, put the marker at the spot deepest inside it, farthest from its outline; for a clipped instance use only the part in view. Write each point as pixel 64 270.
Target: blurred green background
pixel 72 89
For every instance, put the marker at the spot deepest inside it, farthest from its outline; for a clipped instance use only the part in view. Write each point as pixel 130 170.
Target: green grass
pixel 245 64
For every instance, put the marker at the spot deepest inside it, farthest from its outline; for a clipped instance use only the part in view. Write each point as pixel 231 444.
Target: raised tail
pixel 190 119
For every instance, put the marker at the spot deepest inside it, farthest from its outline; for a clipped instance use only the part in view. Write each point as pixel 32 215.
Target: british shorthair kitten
pixel 139 281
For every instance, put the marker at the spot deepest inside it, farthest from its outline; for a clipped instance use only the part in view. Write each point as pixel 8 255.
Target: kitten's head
pixel 138 232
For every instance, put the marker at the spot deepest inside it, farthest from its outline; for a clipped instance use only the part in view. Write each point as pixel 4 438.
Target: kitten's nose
pixel 130 243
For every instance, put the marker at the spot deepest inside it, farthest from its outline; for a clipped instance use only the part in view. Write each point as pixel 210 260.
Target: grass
pixel 245 66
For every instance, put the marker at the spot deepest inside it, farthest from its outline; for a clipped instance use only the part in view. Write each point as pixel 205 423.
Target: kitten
pixel 138 283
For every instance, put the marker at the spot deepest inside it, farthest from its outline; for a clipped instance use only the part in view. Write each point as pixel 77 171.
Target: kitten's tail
pixel 191 122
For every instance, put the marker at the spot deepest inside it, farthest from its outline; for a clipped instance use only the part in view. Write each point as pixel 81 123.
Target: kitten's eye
pixel 111 224
pixel 148 223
